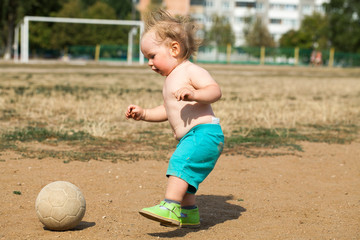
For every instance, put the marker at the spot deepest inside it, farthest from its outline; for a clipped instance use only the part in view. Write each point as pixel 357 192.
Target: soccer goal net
pixel 23 29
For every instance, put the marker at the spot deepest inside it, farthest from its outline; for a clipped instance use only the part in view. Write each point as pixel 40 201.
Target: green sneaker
pixel 166 213
pixel 190 218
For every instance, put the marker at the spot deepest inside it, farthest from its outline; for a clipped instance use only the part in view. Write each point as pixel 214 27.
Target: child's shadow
pixel 213 210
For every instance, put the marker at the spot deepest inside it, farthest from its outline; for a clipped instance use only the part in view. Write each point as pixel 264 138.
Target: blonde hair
pixel 180 29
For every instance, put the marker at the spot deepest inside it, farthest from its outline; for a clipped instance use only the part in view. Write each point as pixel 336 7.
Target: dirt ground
pixel 313 194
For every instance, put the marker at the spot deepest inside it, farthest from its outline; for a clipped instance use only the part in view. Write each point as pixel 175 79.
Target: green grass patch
pixel 7 114
pixel 41 134
pixel 84 147
pixel 290 137
pixel 157 143
pixel 78 91
pixel 340 133
pixel 81 156
pixel 156 139
pixel 263 137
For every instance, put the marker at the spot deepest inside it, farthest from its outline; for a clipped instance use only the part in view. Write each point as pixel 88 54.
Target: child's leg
pixel 169 212
pixel 190 217
pixel 188 200
pixel 176 189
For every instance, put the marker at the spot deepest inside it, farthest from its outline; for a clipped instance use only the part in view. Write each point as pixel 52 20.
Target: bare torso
pixel 183 115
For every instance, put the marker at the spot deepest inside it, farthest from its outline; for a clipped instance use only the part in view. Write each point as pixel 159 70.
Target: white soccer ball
pixel 60 205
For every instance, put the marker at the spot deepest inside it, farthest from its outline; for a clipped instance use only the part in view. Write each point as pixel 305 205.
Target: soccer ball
pixel 60 205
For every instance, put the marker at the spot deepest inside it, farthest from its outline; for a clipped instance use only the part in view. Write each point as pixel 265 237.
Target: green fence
pixel 227 54
pixel 275 56
pixel 102 52
pixel 81 52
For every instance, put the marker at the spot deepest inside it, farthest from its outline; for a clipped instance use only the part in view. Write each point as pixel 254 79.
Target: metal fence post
pixel 296 56
pixel 262 55
pixel 331 57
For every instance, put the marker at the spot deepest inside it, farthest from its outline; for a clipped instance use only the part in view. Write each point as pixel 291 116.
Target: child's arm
pixel 157 114
pixel 206 90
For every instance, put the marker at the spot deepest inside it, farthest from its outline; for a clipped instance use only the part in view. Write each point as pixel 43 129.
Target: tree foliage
pixel 313 32
pixel 57 35
pixel 338 28
pixel 220 33
pixel 344 24
pixel 257 34
pixel 12 11
pixel 65 34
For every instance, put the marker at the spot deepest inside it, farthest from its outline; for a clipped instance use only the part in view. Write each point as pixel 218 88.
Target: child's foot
pixel 190 218
pixel 165 213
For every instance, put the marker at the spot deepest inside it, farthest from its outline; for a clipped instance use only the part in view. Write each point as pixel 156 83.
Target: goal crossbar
pixel 24 26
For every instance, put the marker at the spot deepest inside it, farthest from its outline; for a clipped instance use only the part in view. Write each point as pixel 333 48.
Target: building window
pixel 288 7
pixel 225 5
pixel 242 20
pixel 209 3
pixel 306 9
pixel 259 6
pixel 274 6
pixel 245 4
pixel 208 19
pixel 290 22
pixel 275 21
pixel 197 2
pixel 320 9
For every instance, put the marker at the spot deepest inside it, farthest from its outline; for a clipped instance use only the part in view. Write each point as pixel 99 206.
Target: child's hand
pixel 135 112
pixel 185 94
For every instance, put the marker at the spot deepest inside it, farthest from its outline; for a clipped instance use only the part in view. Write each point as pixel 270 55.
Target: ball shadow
pixel 213 210
pixel 81 226
pixel 84 225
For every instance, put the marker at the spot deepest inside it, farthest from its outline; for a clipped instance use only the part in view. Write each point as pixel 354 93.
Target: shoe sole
pixel 192 226
pixel 163 220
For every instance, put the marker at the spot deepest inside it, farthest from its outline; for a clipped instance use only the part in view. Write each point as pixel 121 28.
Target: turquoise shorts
pixel 196 154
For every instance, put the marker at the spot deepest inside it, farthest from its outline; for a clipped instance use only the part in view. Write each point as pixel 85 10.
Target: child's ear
pixel 174 49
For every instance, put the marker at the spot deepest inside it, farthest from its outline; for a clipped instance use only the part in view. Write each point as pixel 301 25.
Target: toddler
pixel 188 91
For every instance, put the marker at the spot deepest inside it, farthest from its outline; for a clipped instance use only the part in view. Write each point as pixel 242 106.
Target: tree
pixel 313 31
pixel 220 33
pixel 123 9
pixel 344 24
pixel 86 34
pixel 12 11
pixel 257 34
pixel 56 35
pixel 8 15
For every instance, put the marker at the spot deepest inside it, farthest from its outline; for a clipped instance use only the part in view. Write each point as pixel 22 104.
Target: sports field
pixel 290 167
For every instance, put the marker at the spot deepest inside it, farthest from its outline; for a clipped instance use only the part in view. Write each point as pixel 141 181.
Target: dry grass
pixel 93 98
pixel 288 97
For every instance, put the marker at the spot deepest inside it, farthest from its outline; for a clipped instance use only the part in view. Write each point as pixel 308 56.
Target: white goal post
pixel 24 29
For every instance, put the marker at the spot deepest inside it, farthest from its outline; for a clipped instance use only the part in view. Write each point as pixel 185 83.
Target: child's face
pixel 160 55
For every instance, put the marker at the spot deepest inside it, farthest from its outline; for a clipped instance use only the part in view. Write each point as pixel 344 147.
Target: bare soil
pixel 313 194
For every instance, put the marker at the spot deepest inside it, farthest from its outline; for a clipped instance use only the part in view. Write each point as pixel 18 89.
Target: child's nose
pixel 150 63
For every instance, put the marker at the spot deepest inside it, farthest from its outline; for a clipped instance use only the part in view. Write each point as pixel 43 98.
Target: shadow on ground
pixel 213 210
pixel 81 226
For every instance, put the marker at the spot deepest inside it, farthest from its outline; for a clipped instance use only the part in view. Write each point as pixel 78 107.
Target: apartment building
pixel 175 7
pixel 279 16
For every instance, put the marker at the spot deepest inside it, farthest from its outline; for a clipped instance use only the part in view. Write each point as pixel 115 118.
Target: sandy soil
pixel 313 194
